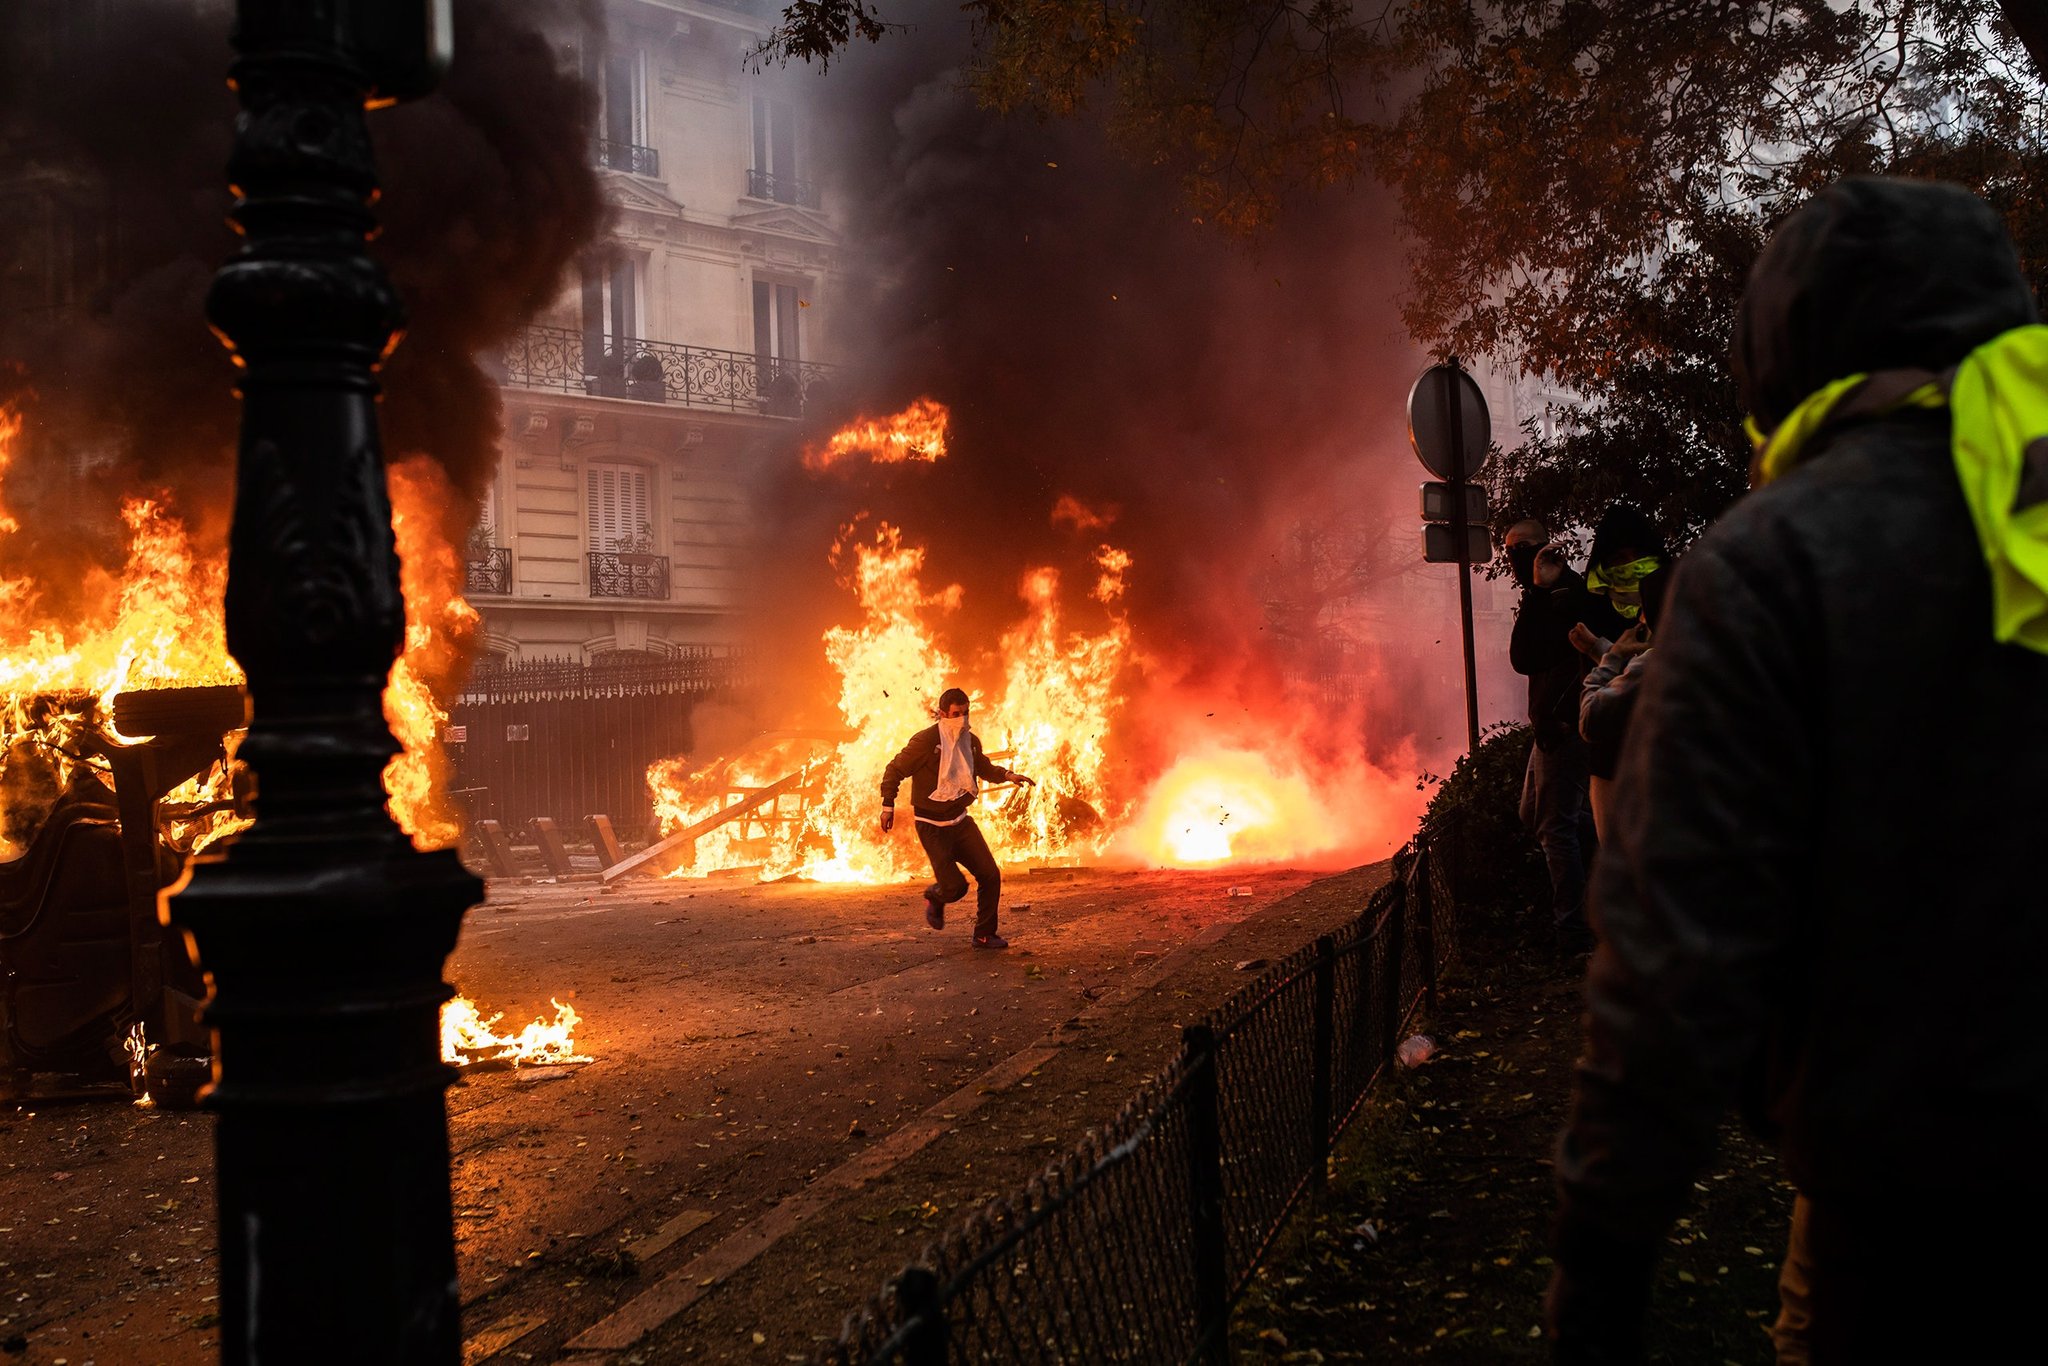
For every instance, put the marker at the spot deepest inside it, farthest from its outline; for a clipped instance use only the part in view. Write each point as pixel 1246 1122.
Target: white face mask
pixel 952 727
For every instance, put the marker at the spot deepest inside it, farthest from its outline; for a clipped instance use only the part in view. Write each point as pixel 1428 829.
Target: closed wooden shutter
pixel 620 509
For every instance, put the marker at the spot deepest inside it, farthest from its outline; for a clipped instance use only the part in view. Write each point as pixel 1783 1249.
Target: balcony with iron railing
pixel 487 570
pixel 782 189
pixel 628 574
pixel 573 362
pixel 629 157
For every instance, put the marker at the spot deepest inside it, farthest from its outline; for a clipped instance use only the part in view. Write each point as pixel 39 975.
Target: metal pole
pixel 1207 1234
pixel 1452 397
pixel 322 929
pixel 1324 1040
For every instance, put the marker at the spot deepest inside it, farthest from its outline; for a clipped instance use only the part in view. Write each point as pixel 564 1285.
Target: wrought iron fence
pixel 628 574
pixel 661 372
pixel 488 570
pixel 782 189
pixel 1135 1247
pixel 630 157
pixel 568 740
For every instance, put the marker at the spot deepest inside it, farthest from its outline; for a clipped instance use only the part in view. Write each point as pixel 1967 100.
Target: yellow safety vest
pixel 1998 398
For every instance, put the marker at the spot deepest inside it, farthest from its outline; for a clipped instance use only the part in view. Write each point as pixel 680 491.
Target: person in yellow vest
pixel 1822 893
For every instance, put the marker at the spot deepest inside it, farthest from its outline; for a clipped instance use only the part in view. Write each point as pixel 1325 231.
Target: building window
pixel 620 509
pixel 775 324
pixel 620 79
pixel 611 304
pixel 776 173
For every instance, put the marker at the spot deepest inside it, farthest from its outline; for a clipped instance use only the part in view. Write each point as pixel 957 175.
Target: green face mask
pixel 1622 583
pixel 1999 401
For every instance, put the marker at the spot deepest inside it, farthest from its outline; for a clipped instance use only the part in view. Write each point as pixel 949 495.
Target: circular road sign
pixel 1429 420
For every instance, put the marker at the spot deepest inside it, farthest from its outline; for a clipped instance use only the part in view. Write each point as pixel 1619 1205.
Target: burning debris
pixel 468 1039
pixel 120 715
pixel 1057 702
pixel 918 433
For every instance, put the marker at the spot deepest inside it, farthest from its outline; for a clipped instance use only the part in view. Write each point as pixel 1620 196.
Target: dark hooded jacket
pixel 1823 895
pixel 1540 648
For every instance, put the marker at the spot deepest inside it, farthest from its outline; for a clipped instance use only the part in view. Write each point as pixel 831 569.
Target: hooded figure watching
pixel 945 765
pixel 1822 895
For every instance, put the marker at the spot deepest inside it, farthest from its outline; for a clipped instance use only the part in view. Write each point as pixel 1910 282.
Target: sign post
pixel 1450 430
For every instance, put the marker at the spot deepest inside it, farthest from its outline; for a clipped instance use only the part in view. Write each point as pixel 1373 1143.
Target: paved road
pixel 769 1058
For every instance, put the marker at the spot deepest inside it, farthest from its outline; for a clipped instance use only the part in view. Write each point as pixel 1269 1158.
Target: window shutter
pixel 619 505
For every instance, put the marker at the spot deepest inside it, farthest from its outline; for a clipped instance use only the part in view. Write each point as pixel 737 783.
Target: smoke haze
pixel 1120 374
pixel 126 114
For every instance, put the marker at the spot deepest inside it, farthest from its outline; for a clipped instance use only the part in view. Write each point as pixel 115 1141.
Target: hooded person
pixel 1555 604
pixel 945 765
pixel 1630 567
pixel 1822 896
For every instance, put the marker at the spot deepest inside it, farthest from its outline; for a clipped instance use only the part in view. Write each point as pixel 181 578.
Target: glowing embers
pixel 918 433
pixel 468 1039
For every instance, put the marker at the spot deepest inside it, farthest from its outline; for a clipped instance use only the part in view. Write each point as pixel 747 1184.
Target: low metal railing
pixel 782 189
pixel 488 571
pixel 1135 1246
pixel 628 574
pixel 564 359
pixel 629 157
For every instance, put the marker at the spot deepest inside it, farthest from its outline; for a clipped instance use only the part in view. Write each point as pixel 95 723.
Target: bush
pixel 1496 870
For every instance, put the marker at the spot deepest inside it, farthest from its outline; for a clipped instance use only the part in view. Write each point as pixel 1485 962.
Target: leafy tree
pixel 1584 182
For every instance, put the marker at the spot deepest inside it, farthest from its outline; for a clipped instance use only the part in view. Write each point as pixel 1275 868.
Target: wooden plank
pixel 660 857
pixel 609 851
pixel 552 851
pixel 497 848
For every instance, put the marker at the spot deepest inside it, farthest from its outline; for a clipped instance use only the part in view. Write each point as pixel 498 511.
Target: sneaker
pixel 990 941
pixel 934 914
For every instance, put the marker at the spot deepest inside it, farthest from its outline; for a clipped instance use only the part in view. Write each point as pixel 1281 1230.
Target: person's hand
pixel 1022 781
pixel 888 819
pixel 1632 642
pixel 1550 565
pixel 1586 643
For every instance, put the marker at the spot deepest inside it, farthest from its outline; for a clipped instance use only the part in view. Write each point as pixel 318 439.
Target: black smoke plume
pixel 1096 343
pixel 115 126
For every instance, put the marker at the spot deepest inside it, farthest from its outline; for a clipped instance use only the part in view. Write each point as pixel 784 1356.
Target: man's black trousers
pixel 951 848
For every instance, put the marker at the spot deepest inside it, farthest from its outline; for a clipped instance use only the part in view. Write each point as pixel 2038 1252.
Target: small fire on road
pixel 467 1038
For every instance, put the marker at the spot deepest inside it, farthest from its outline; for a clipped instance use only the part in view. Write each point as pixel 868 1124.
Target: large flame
pixel 918 433
pixel 1058 696
pixel 1279 782
pixel 158 623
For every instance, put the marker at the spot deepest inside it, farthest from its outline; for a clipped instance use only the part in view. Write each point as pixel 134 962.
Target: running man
pixel 943 763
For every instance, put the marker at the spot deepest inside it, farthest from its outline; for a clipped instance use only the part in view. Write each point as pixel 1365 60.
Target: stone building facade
pixel 680 358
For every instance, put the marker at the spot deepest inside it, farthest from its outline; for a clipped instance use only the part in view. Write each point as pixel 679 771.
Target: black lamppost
pixel 323 930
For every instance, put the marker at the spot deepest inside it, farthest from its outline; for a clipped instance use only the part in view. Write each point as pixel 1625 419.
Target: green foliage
pixel 1496 867
pixel 1584 182
pixel 816 30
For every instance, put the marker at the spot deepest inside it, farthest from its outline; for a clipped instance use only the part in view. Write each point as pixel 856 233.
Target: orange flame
pixel 159 623
pixel 917 433
pixel 1058 696
pixel 1296 786
pixel 426 513
pixel 467 1037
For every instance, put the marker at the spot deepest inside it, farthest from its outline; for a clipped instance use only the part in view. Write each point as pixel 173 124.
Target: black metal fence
pixel 569 740
pixel 1135 1247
